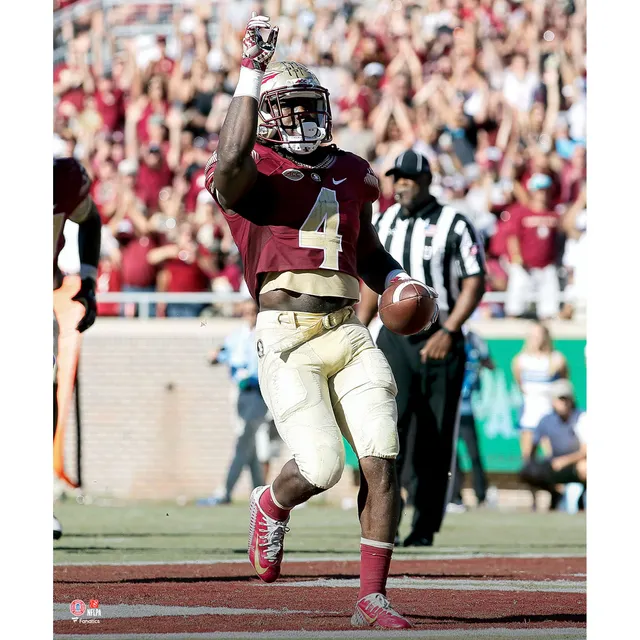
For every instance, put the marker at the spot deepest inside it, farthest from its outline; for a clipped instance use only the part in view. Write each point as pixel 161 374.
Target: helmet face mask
pixel 293 109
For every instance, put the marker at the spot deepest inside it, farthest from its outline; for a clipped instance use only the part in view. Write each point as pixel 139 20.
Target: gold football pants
pixel 322 377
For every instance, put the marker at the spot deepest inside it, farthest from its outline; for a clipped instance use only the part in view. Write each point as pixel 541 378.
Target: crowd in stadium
pixel 492 92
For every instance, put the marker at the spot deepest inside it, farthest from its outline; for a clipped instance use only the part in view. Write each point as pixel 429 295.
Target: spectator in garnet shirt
pixel 110 103
pixel 104 190
pixel 153 103
pixel 136 236
pixel 69 79
pixel 163 65
pixel 531 245
pixel 153 175
pixel 188 268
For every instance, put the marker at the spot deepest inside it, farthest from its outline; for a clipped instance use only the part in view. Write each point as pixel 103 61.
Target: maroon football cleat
pixel 375 611
pixel 266 536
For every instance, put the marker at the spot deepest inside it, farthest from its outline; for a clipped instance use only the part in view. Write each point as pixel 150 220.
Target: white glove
pixel 256 53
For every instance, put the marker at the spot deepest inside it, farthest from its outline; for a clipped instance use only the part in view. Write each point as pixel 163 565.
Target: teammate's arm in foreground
pixel 236 171
pixel 89 234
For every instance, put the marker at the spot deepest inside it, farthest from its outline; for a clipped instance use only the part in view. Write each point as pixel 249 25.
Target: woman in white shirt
pixel 535 368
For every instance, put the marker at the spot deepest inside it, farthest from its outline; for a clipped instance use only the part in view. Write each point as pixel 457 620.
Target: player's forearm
pixel 89 232
pixel 235 171
pixel 473 289
pixel 375 267
pixel 368 305
pixel 238 132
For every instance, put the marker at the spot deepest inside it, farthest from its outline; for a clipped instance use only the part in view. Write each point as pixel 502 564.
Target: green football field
pixel 171 533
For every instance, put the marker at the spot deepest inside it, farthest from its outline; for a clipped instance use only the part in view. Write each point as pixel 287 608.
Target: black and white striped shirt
pixel 437 246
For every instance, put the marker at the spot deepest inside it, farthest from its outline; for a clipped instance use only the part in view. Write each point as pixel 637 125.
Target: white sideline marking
pixel 558 586
pixel 292 557
pixel 109 611
pixel 457 634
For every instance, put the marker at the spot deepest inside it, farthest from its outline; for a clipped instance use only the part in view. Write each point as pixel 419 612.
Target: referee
pixel 439 247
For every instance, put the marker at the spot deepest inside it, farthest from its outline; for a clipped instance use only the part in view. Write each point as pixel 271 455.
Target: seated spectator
pixel 562 437
pixel 532 247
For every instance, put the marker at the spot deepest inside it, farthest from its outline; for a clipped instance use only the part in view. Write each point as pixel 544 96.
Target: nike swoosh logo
pixel 338 181
pixel 256 560
pixel 367 617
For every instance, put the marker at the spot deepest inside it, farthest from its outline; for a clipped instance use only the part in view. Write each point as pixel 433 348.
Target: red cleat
pixel 266 536
pixel 375 611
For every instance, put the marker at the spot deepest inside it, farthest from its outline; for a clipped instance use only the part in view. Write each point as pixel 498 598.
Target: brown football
pixel 406 307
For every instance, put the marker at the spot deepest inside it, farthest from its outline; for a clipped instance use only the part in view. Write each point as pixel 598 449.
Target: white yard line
pixel 449 634
pixel 292 557
pixel 558 586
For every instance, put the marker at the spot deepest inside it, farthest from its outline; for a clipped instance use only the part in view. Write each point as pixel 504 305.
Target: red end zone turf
pixel 465 594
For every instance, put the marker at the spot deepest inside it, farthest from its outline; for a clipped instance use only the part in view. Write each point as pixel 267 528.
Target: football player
pixel 71 201
pixel 299 210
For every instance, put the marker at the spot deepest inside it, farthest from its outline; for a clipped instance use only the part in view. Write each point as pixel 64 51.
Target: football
pixel 407 308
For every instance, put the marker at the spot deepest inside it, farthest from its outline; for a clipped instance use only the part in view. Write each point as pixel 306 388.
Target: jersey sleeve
pixel 209 170
pixel 469 252
pixel 360 174
pixel 81 212
pixel 371 184
pixel 259 199
pixel 71 186
pixel 262 160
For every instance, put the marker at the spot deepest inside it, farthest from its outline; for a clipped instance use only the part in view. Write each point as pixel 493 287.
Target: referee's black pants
pixel 431 392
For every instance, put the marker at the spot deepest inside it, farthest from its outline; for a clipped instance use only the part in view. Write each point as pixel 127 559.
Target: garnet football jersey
pixel 71 185
pixel 311 218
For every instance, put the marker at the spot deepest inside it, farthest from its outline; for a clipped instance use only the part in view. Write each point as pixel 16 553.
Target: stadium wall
pixel 158 419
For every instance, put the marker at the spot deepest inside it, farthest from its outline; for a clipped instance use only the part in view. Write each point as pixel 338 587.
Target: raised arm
pixel 570 216
pixel 235 171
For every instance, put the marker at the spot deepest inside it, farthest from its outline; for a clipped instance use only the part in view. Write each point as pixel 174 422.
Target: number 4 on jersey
pixel 325 213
